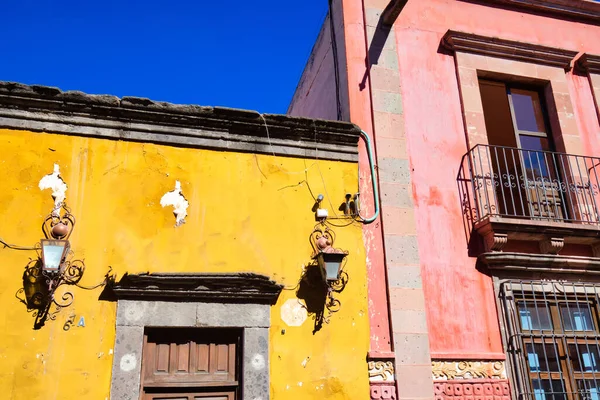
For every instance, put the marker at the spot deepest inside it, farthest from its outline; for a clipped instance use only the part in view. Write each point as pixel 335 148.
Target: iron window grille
pixel 553 338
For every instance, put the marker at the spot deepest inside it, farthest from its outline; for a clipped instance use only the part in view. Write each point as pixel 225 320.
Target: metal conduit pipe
pixel 367 140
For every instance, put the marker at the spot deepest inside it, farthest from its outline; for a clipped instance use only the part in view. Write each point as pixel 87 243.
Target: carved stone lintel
pixel 456 369
pixel 509 49
pixel 495 241
pixel 214 287
pixel 552 245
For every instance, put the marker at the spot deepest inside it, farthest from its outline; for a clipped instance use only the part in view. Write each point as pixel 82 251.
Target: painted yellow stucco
pixel 247 212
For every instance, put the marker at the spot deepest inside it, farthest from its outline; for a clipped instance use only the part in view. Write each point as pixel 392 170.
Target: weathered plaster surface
pixel 461 312
pixel 247 213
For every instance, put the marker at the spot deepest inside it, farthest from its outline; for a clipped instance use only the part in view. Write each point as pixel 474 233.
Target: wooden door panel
pixel 222 358
pixel 162 358
pixel 216 395
pixel 177 357
pixel 202 358
pixel 165 397
pixel 183 358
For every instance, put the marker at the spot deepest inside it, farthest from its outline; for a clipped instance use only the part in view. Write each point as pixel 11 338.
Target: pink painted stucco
pixel 460 303
pixel 462 321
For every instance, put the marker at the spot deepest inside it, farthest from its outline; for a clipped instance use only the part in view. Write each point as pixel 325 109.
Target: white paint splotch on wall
pixel 176 199
pixel 293 312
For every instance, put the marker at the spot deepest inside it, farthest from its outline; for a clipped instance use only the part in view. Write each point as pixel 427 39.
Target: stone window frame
pixel 507 267
pixel 241 301
pixel 571 283
pixel 590 64
pixel 486 57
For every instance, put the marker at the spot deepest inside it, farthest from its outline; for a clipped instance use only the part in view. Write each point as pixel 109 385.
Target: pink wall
pixel 460 307
pixel 461 310
pixel 315 94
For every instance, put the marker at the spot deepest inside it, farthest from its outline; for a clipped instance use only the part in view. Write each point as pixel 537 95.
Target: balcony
pixel 515 194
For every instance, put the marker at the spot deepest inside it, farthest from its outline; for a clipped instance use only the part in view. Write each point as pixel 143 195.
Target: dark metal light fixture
pixel 323 276
pixel 330 259
pixel 51 269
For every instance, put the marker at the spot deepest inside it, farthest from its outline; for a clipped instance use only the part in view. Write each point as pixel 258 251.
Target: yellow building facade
pixel 250 182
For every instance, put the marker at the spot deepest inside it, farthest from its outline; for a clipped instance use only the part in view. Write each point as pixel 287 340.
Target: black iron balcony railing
pixel 498 181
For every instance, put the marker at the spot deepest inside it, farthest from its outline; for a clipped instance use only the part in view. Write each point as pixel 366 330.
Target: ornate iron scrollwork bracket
pixel 318 286
pixel 40 284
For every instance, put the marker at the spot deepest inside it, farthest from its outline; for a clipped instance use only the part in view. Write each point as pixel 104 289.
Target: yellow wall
pixel 247 213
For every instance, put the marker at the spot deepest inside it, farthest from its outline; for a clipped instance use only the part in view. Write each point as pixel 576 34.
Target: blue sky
pixel 244 54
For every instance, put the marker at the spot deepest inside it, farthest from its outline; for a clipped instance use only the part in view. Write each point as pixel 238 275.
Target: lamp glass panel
pixel 53 253
pixel 332 268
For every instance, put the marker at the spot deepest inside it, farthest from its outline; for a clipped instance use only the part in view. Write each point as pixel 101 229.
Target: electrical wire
pixel 273 152
pixel 107 278
pixel 352 219
pixel 305 170
pixel 16 247
pixel 103 283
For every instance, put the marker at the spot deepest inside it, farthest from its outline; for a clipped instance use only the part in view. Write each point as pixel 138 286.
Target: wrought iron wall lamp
pixel 52 268
pixel 324 275
pixel 329 259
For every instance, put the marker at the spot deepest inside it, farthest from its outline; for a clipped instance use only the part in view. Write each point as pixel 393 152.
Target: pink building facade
pixel 483 266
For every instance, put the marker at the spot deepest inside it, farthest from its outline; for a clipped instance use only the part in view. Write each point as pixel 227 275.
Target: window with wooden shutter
pixel 191 364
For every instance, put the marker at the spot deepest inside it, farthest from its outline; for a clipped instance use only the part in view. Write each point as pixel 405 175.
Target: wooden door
pixel 200 363
pixel 538 159
pixel 526 169
pixel 190 396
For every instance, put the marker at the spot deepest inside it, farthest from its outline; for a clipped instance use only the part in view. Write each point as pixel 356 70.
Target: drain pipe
pixel 367 140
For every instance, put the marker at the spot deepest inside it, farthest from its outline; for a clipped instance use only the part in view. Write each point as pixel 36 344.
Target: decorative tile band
pixel 383 391
pixel 457 369
pixel 381 371
pixel 480 389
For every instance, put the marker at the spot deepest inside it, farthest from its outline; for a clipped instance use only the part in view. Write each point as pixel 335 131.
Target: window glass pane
pixel 528 110
pixel 589 389
pixel 536 163
pixel 585 357
pixel 542 357
pixel 534 143
pixel 534 316
pixel 576 317
pixel 548 389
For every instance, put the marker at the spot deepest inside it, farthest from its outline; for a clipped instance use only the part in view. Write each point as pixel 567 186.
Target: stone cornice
pixel 47 109
pixel 540 263
pixel 584 10
pixel 207 287
pixel 589 63
pixel 509 49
